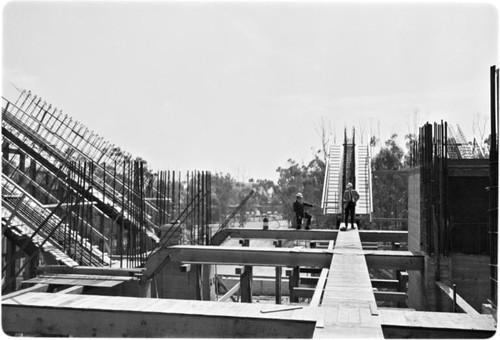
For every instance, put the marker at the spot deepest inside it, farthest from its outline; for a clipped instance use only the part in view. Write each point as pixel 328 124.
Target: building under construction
pixel 94 243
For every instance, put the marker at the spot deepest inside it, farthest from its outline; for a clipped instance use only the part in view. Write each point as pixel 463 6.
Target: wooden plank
pixel 129 317
pixel 348 290
pixel 73 282
pixel 72 290
pixel 91 270
pixel 40 287
pixel 230 293
pixel 282 309
pixel 461 303
pixel 318 292
pixel 87 277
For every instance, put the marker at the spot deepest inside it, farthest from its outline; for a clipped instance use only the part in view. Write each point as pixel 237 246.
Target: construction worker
pixel 349 199
pixel 300 213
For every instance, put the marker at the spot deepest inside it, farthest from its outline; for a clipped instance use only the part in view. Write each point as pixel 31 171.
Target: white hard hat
pixel 299 194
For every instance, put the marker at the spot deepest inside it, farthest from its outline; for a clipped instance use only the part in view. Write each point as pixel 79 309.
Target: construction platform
pixel 343 303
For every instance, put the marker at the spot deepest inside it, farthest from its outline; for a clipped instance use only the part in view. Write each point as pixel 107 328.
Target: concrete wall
pixel 471 275
pixel 469 272
pixel 414 210
pixel 417 292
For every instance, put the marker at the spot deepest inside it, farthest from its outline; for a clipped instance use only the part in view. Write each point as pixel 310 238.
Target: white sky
pixel 241 87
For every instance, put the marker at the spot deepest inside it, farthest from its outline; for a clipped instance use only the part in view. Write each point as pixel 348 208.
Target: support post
pixel 293 281
pixel 246 284
pixel 403 279
pixel 11 270
pixel 246 278
pixel 278 244
pixel 199 283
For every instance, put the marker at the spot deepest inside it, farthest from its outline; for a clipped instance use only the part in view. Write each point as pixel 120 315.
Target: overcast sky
pixel 241 87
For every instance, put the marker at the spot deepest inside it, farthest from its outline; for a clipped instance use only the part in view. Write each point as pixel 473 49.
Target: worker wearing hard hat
pixel 300 213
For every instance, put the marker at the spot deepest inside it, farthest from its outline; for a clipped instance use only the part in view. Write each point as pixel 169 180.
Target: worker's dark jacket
pixel 299 208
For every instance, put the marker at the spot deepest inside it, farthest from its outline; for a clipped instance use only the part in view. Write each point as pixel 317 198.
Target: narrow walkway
pixel 350 310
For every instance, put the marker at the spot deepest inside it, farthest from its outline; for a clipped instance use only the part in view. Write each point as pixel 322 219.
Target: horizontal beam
pixel 376 283
pixel 390 284
pixel 303 292
pixel 400 260
pixel 390 296
pixel 314 234
pixel 117 316
pixel 252 256
pixel 40 287
pixel 399 323
pixel 90 270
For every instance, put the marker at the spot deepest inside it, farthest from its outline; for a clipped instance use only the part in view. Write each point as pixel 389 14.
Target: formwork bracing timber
pixel 99 245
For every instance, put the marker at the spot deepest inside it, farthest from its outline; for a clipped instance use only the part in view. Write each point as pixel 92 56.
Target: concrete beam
pixel 116 316
pixel 390 284
pixel 400 260
pixel 82 270
pixel 400 324
pixel 390 296
pixel 303 292
pixel 379 295
pixel 286 257
pixel 315 234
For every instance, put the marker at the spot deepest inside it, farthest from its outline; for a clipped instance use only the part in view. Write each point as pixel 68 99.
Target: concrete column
pixel 246 284
pixel 293 281
pixel 278 244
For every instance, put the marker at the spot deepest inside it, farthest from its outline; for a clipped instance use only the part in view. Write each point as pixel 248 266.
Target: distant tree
pixel 390 184
pixel 222 195
pixel 409 140
pixel 307 179
pixel 325 132
pixel 390 157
